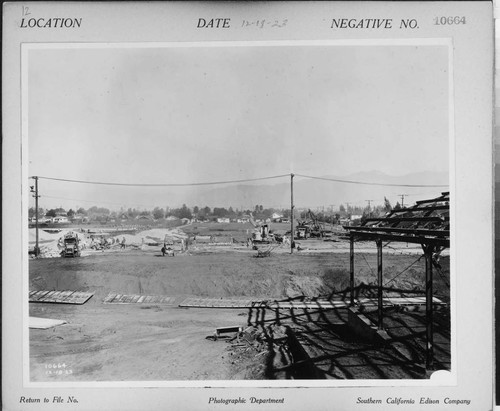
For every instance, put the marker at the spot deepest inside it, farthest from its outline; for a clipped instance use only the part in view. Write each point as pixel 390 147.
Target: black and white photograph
pixel 245 211
pixel 254 211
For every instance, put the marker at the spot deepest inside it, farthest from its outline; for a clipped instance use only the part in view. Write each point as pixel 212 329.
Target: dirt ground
pixel 139 342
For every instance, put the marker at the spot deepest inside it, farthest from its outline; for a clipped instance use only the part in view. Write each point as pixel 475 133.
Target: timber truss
pixel 426 223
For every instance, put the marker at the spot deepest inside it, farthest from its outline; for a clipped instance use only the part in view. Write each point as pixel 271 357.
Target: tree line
pixel 95 213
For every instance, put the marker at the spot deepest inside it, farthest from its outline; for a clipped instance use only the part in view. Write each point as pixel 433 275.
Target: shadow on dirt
pixel 306 343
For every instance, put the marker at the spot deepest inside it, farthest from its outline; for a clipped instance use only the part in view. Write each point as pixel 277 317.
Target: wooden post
pixel 379 272
pixel 291 213
pixel 37 247
pixel 429 308
pixel 351 270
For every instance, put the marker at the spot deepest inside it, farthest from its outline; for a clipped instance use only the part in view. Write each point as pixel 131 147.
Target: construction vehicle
pixel 71 244
pixel 261 233
pixel 311 227
pixel 302 231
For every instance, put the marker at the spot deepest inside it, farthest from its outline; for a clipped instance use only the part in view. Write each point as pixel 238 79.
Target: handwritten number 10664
pixel 441 21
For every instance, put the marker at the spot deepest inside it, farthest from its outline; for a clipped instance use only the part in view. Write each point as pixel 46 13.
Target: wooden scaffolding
pixel 426 223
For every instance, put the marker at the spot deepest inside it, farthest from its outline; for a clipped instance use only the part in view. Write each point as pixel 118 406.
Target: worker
pixel 123 243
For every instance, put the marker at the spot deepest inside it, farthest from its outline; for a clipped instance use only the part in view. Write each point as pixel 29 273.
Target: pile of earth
pixel 51 243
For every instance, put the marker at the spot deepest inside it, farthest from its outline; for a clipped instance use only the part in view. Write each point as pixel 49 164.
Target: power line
pixel 240 181
pixel 163 184
pixel 372 184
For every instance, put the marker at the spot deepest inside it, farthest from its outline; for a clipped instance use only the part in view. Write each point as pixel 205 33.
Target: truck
pixel 311 227
pixel 71 245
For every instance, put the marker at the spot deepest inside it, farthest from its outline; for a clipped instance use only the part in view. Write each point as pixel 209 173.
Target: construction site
pixel 243 210
pixel 249 300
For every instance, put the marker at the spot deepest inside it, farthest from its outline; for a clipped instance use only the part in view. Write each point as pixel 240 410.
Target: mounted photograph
pixel 287 205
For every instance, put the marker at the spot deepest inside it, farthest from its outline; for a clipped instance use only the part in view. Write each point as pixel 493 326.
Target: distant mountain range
pixel 314 193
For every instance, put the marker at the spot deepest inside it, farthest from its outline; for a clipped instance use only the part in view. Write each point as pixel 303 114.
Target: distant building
pixel 223 220
pixel 60 219
pixel 344 221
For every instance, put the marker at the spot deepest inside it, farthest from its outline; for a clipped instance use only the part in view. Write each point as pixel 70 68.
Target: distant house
pixel 171 218
pixel 185 220
pixel 355 217
pixel 223 220
pixel 60 219
pixel 276 217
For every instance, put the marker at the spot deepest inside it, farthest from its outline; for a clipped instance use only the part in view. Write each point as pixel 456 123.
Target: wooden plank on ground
pixel 310 305
pixel 215 303
pixel 397 301
pixel 110 297
pixel 78 297
pixel 60 297
pixel 50 296
pixel 39 294
pixel 113 298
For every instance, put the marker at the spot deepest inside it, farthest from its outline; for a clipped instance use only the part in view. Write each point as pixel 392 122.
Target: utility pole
pixel 291 212
pixel 369 207
pixel 34 190
pixel 402 199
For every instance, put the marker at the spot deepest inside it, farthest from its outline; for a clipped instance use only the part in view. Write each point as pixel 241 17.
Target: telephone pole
pixel 291 212
pixel 34 190
pixel 369 207
pixel 403 199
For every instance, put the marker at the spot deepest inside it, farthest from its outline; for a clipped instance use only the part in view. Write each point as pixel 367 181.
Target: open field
pixel 151 342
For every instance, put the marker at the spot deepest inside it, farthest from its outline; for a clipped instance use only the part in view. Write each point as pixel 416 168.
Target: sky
pixel 201 114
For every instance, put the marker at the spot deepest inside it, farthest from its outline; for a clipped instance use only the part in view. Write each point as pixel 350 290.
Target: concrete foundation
pixel 364 328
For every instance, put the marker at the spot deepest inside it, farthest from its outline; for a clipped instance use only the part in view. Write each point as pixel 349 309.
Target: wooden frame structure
pixel 427 223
